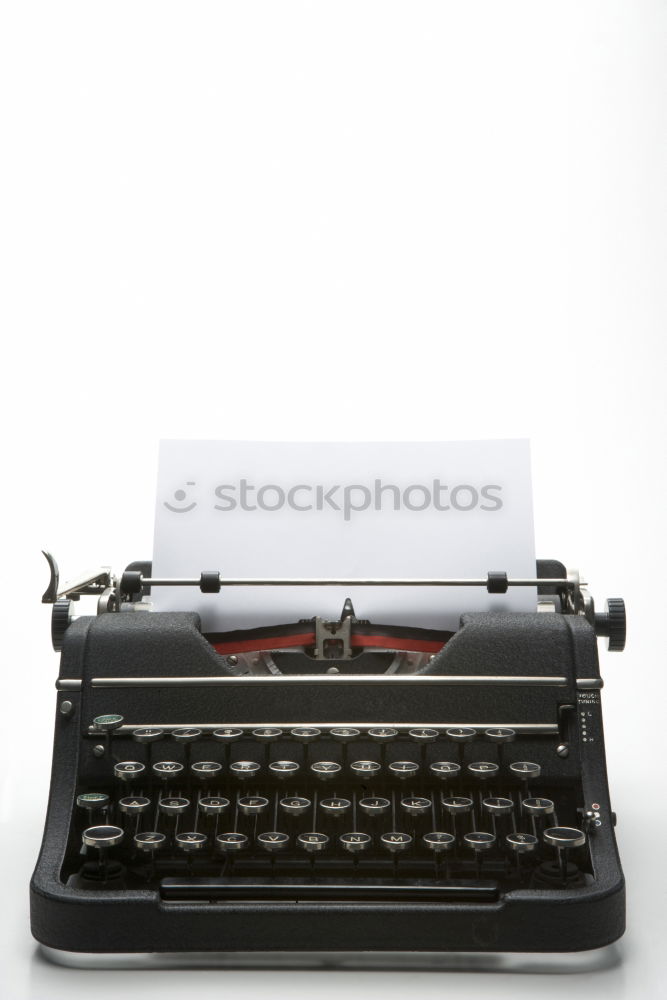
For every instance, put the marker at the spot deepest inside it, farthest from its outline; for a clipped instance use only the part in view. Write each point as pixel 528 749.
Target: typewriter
pixel 328 785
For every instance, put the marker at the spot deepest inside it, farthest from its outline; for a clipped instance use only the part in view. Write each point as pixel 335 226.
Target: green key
pixel 107 723
pixel 92 800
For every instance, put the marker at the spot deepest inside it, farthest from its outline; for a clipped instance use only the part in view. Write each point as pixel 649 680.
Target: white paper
pixel 345 510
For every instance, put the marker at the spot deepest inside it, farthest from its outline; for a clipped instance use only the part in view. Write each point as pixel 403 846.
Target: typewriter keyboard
pixel 325 812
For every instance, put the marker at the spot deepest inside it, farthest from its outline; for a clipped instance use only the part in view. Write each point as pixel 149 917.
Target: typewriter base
pixel 543 923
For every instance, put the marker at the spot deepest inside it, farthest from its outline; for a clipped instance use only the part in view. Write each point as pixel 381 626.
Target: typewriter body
pixel 328 786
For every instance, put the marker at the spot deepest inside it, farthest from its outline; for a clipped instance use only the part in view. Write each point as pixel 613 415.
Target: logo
pixel 180 496
pixel 346 500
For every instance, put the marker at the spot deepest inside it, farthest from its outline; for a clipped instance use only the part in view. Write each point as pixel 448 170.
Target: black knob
pixel 612 624
pixel 60 620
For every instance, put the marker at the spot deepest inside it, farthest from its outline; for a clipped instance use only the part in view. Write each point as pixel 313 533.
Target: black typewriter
pixel 328 786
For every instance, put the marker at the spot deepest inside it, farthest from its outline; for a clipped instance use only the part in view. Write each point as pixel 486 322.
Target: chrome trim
pixel 68 684
pixel 300 679
pixel 596 960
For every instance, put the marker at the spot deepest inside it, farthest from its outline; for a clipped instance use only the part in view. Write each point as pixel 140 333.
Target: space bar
pixel 214 889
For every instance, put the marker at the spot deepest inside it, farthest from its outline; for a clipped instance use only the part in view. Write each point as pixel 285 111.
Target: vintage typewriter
pixel 328 786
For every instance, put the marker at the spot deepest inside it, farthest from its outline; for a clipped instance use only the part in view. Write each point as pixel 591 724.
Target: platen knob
pixel 612 624
pixel 60 621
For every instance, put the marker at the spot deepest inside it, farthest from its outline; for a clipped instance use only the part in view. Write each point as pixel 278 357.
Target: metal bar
pixel 357 582
pixel 582 683
pixel 297 680
pixel 222 889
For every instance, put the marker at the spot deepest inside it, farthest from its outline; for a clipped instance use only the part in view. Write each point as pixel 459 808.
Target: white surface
pixel 333 221
pixel 416 510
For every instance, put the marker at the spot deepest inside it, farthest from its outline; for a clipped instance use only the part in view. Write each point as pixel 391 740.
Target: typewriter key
pixel 564 839
pixel 107 723
pixel 227 736
pixel 283 768
pixel 537 807
pixel 186 737
pixel 479 842
pixel 365 769
pixel 374 806
pixel 335 807
pixel 102 837
pixel 305 734
pixel 446 770
pixel 267 734
pixel 175 806
pixel 273 841
pixel 525 770
pixel 191 843
pixel 295 806
pixel 149 841
pixel 128 770
pixel 383 735
pixel 483 769
pixel 206 770
pixel 395 842
pixel 312 842
pixel 355 842
pixel 325 770
pixel 438 841
pixel 495 805
pixel 244 769
pixel 521 843
pixel 147 737
pixel 252 805
pixel 213 805
pixel 229 843
pixel 403 769
pixel 457 804
pixel 134 805
pixel 416 805
pixel 500 735
pixel 166 770
pixel 460 735
pixel 343 734
pixel 90 801
pixel 423 737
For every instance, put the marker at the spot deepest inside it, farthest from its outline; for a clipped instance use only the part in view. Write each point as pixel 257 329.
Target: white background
pixel 334 220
